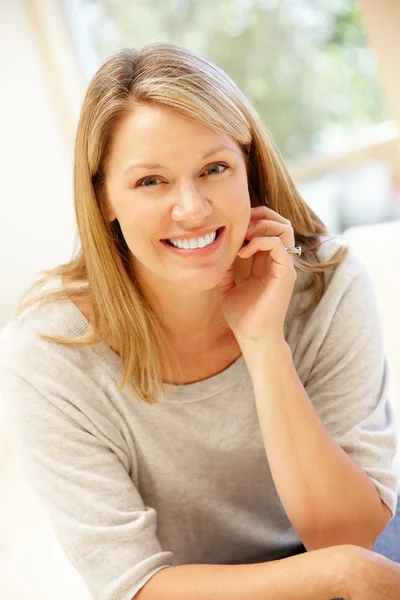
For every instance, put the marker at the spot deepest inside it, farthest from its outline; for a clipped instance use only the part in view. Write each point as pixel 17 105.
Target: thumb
pixel 227 282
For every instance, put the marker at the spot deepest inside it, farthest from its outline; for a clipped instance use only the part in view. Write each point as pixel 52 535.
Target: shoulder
pixel 350 272
pixel 40 377
pixel 25 352
pixel 343 328
pixel 348 298
pixel 351 267
pixel 349 283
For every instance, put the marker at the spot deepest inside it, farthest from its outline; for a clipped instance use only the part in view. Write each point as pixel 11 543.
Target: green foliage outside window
pixel 305 64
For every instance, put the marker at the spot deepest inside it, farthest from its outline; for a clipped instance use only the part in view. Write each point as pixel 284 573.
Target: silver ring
pixel 295 250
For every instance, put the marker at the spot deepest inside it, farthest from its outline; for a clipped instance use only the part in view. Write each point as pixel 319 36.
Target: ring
pixel 295 250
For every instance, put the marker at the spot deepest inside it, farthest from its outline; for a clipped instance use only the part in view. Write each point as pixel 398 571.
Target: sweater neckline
pixel 188 392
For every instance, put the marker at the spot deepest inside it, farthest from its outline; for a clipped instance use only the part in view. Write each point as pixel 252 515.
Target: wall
pixel 39 107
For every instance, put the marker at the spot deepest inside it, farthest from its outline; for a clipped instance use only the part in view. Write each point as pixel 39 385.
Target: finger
pixel 228 281
pixel 263 212
pixel 272 228
pixel 270 259
pixel 274 246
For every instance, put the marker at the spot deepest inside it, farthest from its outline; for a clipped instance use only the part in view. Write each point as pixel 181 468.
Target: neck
pixel 189 315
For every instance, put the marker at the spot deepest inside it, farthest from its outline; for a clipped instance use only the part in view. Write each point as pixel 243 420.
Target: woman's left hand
pixel 255 309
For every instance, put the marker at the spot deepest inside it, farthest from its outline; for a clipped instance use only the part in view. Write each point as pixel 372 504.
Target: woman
pixel 197 405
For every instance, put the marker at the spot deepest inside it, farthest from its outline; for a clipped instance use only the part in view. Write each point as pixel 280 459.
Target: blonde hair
pixel 100 272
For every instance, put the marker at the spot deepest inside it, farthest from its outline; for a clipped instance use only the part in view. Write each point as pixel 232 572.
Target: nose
pixel 191 205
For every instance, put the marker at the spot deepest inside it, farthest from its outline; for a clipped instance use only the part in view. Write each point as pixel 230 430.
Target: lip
pixel 192 234
pixel 199 252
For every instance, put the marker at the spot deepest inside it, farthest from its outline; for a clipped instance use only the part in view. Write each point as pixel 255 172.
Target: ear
pixel 105 204
pixel 110 214
pixel 109 211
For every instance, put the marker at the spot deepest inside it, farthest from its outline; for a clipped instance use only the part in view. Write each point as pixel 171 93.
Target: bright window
pixel 305 65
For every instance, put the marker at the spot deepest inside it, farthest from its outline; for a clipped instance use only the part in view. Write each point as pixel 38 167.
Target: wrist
pixel 337 568
pixel 356 569
pixel 269 353
pixel 268 345
pixel 316 575
pixel 347 566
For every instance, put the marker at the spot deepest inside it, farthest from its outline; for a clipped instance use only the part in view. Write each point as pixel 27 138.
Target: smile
pixel 193 243
pixel 203 246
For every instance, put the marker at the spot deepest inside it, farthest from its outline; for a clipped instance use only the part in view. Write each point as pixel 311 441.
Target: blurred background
pixel 322 73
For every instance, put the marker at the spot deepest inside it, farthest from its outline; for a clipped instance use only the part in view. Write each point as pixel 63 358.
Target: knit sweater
pixel 132 488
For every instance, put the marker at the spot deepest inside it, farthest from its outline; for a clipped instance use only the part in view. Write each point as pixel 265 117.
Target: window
pixel 306 66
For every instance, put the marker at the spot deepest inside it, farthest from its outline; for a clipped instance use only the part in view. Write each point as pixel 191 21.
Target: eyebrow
pixel 145 165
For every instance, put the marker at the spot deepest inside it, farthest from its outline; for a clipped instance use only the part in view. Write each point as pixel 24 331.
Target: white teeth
pixel 194 243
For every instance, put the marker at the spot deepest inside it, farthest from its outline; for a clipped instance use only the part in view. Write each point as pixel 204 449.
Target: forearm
pixel 319 575
pixel 328 498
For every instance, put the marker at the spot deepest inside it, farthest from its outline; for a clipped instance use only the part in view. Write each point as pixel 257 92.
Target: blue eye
pixel 216 165
pixel 144 181
pixel 149 181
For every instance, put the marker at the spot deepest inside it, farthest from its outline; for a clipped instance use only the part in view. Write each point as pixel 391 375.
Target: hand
pixel 371 576
pixel 255 309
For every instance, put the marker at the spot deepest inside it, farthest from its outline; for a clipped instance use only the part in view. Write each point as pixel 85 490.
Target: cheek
pixel 239 205
pixel 140 226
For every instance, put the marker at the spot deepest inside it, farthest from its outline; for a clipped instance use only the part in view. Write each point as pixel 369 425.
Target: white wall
pixel 39 104
pixel 37 219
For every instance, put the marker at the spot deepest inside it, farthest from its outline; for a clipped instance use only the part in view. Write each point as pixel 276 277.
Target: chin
pixel 199 283
pixel 198 286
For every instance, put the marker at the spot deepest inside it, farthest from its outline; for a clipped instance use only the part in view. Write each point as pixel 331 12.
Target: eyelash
pixel 139 183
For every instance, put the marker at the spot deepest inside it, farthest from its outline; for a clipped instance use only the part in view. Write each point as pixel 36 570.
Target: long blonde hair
pixel 100 272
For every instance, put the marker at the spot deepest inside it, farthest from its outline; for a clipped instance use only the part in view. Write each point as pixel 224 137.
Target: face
pixel 169 177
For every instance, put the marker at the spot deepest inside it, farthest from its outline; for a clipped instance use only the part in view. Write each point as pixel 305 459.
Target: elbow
pixel 355 533
pixel 338 537
pixel 384 520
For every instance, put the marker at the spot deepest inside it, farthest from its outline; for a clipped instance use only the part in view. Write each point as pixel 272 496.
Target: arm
pixel 328 498
pixel 79 468
pixel 319 575
pixel 330 444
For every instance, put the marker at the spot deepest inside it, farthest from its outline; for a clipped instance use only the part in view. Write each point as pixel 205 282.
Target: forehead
pixel 154 132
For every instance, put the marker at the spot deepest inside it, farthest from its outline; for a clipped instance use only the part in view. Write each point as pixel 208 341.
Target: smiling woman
pixel 153 118
pixel 196 405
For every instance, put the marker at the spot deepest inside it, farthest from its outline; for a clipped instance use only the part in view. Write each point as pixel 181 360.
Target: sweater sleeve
pixel 348 381
pixel 101 522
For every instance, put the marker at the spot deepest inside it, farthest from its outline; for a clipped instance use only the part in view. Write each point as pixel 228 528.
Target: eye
pixel 151 181
pixel 146 182
pixel 215 166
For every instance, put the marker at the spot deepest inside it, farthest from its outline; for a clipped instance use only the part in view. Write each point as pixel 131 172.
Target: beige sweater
pixel 133 488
